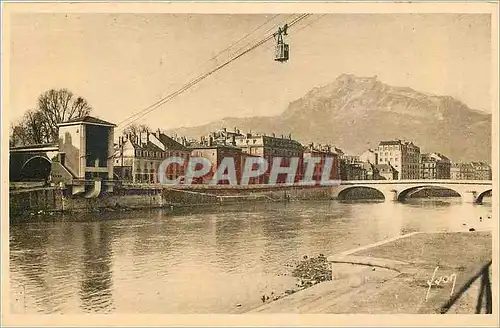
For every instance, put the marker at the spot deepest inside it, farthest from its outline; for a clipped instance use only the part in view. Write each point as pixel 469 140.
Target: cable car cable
pixel 312 22
pixel 267 31
pixel 202 77
pixel 208 61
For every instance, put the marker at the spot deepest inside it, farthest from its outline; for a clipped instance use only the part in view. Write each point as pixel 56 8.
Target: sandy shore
pixel 393 277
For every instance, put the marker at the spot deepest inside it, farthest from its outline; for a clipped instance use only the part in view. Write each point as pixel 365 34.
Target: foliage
pixel 39 125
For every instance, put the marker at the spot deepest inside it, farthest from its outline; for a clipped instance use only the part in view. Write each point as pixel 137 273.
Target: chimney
pixel 274 135
pixel 211 141
pixel 159 132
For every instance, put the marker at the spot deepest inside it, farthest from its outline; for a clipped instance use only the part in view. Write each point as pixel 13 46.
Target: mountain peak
pixel 355 113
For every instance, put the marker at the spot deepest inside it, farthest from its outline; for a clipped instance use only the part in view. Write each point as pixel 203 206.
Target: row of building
pixel 137 158
pixel 402 160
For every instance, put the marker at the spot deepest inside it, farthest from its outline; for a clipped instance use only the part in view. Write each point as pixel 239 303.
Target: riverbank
pixel 32 201
pixel 393 278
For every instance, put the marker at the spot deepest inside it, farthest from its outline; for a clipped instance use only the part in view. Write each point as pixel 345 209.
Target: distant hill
pixel 355 113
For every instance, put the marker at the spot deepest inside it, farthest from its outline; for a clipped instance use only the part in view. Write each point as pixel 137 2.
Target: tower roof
pixel 86 120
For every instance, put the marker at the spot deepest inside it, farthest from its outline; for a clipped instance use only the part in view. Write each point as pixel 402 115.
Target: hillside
pixel 354 113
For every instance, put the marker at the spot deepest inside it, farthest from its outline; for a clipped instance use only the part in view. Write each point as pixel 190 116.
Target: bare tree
pixel 40 125
pixel 61 105
pixel 18 135
pixel 135 129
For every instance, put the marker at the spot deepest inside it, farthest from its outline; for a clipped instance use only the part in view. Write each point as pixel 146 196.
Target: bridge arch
pixel 403 194
pixel 480 197
pixel 345 193
pixel 36 168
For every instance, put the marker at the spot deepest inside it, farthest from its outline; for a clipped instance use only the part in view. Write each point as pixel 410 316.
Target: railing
pixel 484 292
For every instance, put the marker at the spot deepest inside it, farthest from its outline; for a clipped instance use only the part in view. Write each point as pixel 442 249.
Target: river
pixel 218 260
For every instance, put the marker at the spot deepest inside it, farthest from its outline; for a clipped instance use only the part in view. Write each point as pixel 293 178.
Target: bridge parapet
pixel 396 190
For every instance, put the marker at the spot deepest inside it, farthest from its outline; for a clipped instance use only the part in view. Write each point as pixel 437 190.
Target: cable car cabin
pixel 282 49
pixel 282 52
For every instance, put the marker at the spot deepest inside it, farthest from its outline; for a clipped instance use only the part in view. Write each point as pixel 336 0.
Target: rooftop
pixel 170 143
pixel 87 120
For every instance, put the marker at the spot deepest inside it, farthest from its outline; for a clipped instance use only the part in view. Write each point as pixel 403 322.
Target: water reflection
pixel 96 281
pixel 204 261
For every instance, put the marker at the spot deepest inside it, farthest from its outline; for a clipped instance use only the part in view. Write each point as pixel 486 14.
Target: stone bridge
pixel 397 190
pixel 31 162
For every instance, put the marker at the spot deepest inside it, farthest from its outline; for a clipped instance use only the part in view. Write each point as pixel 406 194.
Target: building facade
pixel 216 153
pixel 435 166
pixel 322 152
pixel 386 172
pixel 455 171
pixel 471 171
pixel 138 157
pixel 482 171
pixel 369 156
pixel 404 156
pixel 352 168
pixel 82 150
pixel 270 148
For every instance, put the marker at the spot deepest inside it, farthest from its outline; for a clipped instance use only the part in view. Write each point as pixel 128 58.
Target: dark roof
pixel 289 141
pixel 390 142
pixel 213 146
pixel 430 157
pixel 170 143
pixel 151 147
pixel 87 119
pixel 443 156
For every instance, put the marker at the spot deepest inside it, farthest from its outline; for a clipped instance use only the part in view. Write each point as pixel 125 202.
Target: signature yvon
pixel 441 280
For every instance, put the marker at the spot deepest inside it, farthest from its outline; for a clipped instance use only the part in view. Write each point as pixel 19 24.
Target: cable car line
pixel 274 27
pixel 208 62
pixel 243 38
pixel 307 25
pixel 302 28
pixel 204 76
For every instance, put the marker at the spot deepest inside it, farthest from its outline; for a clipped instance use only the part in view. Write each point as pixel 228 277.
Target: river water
pixel 218 260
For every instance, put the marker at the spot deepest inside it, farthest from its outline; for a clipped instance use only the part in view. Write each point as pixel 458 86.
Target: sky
pixel 123 63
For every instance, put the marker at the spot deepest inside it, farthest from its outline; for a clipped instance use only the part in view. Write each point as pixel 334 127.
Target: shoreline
pixel 392 276
pixel 55 201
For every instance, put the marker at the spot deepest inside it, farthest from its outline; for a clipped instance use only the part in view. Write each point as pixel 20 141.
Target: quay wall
pixel 53 199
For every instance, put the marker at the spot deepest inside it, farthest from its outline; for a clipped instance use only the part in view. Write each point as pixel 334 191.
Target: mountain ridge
pixel 355 113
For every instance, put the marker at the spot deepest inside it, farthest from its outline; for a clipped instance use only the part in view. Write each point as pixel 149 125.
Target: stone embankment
pixel 37 199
